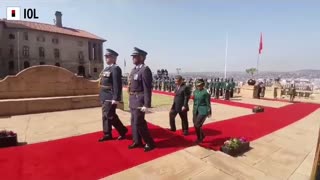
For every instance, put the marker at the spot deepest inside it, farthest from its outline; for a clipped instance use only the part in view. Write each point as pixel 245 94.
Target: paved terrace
pixel 285 154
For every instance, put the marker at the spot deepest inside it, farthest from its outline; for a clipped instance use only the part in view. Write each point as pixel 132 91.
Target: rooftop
pixel 49 28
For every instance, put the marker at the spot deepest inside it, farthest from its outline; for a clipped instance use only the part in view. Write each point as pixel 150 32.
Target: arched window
pixel 56 53
pixel 41 52
pixel 80 55
pixel 81 71
pixel 57 64
pixel 25 51
pixel 11 51
pixel 26 64
pixel 11 65
pixel 11 36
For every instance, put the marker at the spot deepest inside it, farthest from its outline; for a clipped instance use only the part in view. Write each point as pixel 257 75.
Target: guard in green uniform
pixel 206 84
pixel 201 108
pixel 233 86
pixel 217 88
pixel 214 87
pixel 227 90
pixel 211 87
pixel 222 84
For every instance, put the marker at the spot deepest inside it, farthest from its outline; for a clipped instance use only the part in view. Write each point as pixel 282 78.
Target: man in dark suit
pixel 110 95
pixel 180 105
pixel 140 91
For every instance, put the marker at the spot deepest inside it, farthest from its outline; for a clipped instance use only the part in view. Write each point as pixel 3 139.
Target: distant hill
pixel 241 76
pixel 308 71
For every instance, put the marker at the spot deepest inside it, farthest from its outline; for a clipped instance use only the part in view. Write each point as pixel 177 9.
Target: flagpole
pixel 259 53
pixel 226 57
pixel 258 60
pixel 18 52
pixel 124 66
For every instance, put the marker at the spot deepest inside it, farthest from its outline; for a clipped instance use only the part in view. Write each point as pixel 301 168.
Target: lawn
pixel 157 100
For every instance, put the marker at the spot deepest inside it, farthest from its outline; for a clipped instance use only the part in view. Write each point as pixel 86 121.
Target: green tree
pixel 251 71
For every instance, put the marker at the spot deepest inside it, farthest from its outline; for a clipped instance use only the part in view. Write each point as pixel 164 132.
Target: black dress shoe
pixel 123 135
pixel 105 138
pixel 202 137
pixel 148 147
pixel 186 132
pixel 135 145
pixel 173 130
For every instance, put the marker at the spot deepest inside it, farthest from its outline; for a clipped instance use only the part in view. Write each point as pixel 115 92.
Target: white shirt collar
pixel 110 65
pixel 139 66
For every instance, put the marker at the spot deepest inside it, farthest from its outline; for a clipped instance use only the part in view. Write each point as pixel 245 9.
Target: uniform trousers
pixel 110 118
pixel 231 92
pixel 140 128
pixel 198 121
pixel 227 95
pixel 217 93
pixel 184 119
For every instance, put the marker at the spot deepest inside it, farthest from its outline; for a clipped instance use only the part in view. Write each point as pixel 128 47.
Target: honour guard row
pixel 216 87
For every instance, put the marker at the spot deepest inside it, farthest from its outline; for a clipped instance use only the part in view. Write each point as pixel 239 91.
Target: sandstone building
pixel 24 44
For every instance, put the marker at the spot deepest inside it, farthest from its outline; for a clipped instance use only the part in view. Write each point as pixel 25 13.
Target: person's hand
pixel 183 108
pixel 144 109
pixel 114 102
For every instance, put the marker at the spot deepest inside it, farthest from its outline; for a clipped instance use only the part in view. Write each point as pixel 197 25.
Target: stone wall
pixel 47 88
pixel 46 81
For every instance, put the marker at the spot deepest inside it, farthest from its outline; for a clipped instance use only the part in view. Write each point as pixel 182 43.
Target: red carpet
pixel 220 101
pixel 253 126
pixel 82 157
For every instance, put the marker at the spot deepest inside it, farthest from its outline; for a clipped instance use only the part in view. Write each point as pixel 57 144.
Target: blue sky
pixel 191 34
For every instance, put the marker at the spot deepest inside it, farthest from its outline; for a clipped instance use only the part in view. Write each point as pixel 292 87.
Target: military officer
pixel 201 108
pixel 140 100
pixel 110 95
pixel 180 105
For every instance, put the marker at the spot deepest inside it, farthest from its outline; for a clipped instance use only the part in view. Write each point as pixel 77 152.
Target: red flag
pixel 261 44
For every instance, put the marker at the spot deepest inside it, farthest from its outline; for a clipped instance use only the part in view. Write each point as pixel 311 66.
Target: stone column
pixel 90 50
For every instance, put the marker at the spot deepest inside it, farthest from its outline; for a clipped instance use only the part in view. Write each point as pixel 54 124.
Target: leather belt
pixel 136 93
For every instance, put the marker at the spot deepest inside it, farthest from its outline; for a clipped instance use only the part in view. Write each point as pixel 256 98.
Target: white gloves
pixel 114 102
pixel 183 108
pixel 144 109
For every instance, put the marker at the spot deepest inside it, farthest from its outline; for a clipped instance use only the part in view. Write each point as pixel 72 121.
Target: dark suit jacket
pixel 181 98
